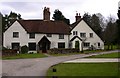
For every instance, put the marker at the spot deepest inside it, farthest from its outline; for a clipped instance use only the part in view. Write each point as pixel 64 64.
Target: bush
pixel 9 52
pixel 4 48
pixel 62 50
pixel 24 49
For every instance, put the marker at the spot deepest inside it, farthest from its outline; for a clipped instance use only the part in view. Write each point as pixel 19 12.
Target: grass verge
pixel 111 55
pixel 84 69
pixel 24 56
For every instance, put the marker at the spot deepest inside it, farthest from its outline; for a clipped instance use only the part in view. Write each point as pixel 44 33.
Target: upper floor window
pixel 49 35
pixel 91 35
pixel 32 35
pixel 61 36
pixel 82 35
pixel 75 33
pixel 15 34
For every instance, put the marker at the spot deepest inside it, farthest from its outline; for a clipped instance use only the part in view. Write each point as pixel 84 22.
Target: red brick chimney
pixel 78 17
pixel 46 13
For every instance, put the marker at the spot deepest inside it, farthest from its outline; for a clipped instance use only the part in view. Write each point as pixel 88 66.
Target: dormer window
pixel 32 35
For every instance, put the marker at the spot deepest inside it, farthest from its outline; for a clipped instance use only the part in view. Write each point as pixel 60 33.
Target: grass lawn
pixel 84 69
pixel 24 56
pixel 111 55
pixel 66 54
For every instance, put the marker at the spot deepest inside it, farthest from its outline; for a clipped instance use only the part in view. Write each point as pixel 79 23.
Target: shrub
pixel 4 48
pixel 9 52
pixel 62 50
pixel 24 49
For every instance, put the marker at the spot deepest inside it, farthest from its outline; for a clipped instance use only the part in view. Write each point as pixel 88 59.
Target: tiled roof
pixel 75 23
pixel 41 26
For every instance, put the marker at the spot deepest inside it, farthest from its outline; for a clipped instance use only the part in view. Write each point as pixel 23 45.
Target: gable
pixel 75 38
pixel 15 27
pixel 83 27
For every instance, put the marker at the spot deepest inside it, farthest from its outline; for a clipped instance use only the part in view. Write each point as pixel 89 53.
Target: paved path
pixel 93 60
pixel 38 66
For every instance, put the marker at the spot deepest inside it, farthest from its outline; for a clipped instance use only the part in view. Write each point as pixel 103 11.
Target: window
pixel 61 45
pixel 61 36
pixel 75 33
pixel 15 34
pixel 15 46
pixel 32 46
pixel 49 35
pixel 91 35
pixel 32 35
pixel 82 35
pixel 98 44
pixel 86 44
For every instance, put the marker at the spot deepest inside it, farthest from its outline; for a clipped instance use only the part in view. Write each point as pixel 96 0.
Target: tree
pixel 95 24
pixel 118 26
pixel 87 18
pixel 110 33
pixel 58 16
pixel 8 19
pixel 102 21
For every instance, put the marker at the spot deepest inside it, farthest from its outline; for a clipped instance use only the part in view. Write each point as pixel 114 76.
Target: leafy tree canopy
pixel 58 16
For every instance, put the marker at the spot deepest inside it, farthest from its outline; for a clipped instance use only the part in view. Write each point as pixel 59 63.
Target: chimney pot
pixel 76 14
pixel 46 13
pixel 78 17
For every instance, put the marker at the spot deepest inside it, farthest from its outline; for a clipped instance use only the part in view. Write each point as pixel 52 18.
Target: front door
pixel 44 47
pixel 44 44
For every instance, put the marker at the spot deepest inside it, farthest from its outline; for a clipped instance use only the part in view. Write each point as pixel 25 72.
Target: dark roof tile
pixel 41 26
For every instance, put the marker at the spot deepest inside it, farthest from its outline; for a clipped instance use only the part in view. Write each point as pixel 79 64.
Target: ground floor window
pixel 15 46
pixel 86 44
pixel 61 45
pixel 32 46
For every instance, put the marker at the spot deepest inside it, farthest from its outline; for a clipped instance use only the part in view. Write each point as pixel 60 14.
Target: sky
pixel 33 9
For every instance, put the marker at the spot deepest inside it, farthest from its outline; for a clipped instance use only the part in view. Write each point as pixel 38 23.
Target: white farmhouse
pixel 46 34
pixel 84 35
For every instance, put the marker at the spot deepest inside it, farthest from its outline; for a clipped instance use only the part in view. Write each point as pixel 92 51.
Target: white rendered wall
pixel 83 27
pixel 24 37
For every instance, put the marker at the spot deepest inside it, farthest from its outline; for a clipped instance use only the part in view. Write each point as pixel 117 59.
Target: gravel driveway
pixel 37 66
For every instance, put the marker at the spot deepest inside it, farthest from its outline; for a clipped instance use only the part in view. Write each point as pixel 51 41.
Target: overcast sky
pixel 33 9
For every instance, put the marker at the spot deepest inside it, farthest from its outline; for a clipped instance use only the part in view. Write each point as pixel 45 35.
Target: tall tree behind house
pixel 118 23
pixel 93 22
pixel 8 19
pixel 58 16
pixel 110 33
